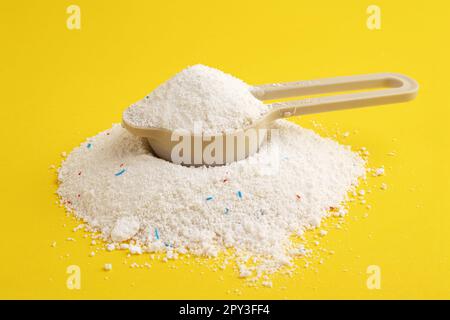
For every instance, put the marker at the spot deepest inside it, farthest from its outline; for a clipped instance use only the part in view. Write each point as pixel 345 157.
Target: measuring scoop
pixel 196 149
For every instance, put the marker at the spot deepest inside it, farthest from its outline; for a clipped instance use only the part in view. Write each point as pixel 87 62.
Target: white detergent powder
pixel 198 94
pixel 253 206
pixel 114 183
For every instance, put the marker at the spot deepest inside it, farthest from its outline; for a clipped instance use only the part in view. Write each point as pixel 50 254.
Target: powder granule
pixel 125 228
pixel 198 95
pixel 287 187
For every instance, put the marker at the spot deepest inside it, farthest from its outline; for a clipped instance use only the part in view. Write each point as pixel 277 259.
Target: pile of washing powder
pixel 120 189
pixel 198 94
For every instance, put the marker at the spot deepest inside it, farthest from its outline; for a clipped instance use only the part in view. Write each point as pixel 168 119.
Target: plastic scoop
pixel 187 148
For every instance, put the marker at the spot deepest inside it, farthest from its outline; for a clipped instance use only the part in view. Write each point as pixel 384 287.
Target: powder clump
pixel 125 228
pixel 198 96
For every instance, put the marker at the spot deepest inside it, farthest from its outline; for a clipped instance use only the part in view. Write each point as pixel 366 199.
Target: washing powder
pixel 134 199
pixel 200 95
pixel 252 206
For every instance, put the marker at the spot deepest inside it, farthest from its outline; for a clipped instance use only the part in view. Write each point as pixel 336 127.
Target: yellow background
pixel 59 86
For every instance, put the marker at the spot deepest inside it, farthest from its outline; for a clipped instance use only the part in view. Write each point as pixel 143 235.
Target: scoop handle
pixel 400 88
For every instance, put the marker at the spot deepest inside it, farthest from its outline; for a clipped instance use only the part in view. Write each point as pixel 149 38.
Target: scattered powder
pixel 199 93
pixel 323 233
pixel 392 153
pixel 135 249
pixel 79 227
pixel 244 272
pixel 379 171
pixel 254 207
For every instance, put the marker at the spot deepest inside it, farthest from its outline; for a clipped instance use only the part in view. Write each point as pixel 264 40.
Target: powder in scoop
pixel 252 205
pixel 198 94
